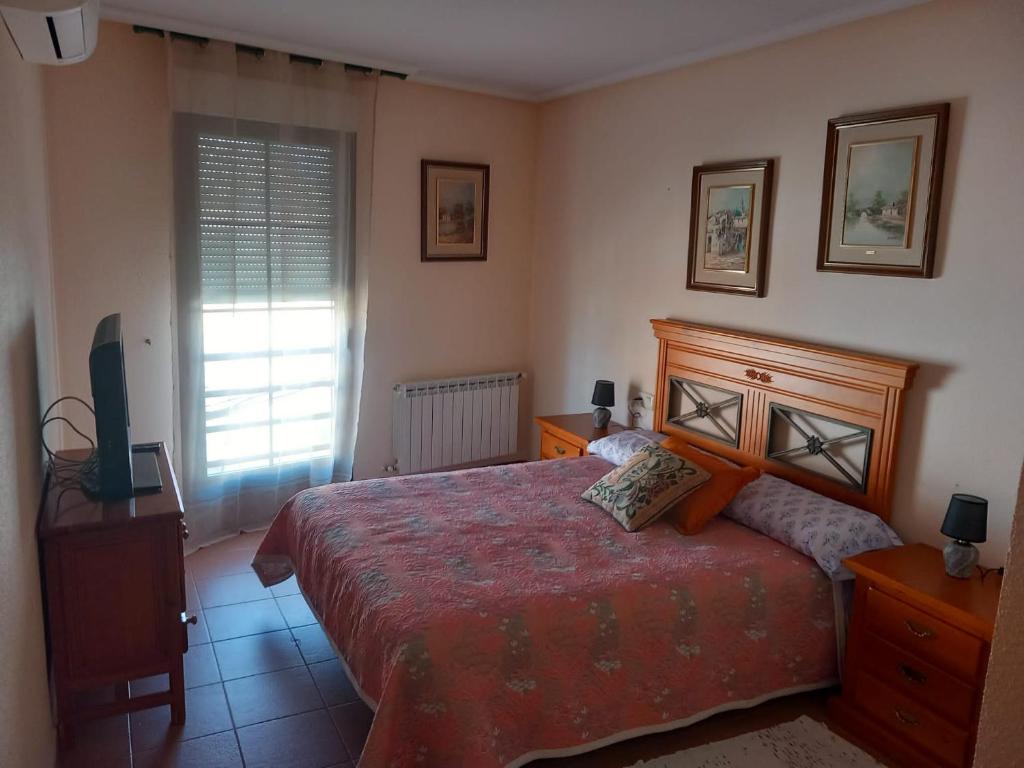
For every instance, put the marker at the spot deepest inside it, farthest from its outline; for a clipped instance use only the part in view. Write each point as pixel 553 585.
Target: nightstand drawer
pixel 903 715
pixel 920 680
pixel 945 646
pixel 552 447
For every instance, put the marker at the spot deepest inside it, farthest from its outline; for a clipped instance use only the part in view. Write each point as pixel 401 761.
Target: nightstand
pixel 916 656
pixel 563 437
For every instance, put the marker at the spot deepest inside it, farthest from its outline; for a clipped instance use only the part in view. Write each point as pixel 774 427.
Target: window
pixel 266 221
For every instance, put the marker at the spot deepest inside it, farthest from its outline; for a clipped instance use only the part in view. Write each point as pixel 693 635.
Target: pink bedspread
pixel 493 615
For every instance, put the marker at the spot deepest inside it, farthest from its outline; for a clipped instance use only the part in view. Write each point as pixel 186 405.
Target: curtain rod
pixel 254 50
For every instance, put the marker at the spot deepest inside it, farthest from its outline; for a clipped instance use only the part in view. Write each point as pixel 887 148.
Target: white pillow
pixel 621 446
pixel 815 525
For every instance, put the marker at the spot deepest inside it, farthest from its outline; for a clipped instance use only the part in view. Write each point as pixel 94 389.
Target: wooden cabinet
pixel 564 437
pixel 916 657
pixel 114 586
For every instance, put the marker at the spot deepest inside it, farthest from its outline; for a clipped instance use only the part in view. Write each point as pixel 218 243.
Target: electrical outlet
pixel 648 400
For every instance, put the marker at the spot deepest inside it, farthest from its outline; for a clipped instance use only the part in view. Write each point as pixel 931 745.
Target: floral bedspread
pixel 493 616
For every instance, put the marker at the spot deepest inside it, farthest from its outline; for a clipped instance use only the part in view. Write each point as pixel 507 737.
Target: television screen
pixel 110 401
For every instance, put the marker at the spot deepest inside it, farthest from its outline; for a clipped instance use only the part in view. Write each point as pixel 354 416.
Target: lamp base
pixel 961 558
pixel 601 417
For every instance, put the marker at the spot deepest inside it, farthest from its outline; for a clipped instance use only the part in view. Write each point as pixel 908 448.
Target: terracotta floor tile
pixel 218 561
pixel 333 683
pixel 257 654
pixel 313 643
pixel 206 712
pixel 192 603
pixel 296 612
pixel 249 541
pixel 288 587
pixel 198 633
pixel 200 669
pixel 217 751
pixel 301 741
pixel 273 695
pixel 154 683
pixel 99 742
pixel 243 619
pixel 353 722
pixel 229 590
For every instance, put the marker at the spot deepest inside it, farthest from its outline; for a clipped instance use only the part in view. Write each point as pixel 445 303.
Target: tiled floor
pixel 264 690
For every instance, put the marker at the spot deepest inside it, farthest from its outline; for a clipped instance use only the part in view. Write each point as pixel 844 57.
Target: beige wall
pixel 613 201
pixel 444 319
pixel 1000 737
pixel 108 134
pixel 27 377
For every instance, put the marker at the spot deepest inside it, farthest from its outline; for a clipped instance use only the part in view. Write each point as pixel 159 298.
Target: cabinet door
pixel 122 601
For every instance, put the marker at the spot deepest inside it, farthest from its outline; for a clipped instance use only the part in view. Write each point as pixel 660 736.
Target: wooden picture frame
pixel 724 257
pixel 892 231
pixel 448 190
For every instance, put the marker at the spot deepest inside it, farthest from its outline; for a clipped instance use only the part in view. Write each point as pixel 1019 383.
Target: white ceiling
pixel 529 49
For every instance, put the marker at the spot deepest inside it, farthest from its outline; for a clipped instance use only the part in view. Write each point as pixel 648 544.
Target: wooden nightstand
pixel 916 656
pixel 563 437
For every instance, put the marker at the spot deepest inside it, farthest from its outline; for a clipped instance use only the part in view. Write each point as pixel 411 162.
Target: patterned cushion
pixel 650 482
pixel 621 446
pixel 816 525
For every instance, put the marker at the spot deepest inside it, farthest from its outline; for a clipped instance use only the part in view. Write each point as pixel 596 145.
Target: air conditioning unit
pixel 52 31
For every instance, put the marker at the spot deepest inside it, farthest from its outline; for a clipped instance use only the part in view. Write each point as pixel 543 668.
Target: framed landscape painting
pixel 730 212
pixel 454 211
pixel 881 191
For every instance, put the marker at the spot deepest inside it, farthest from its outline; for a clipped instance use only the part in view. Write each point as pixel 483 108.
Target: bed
pixel 491 617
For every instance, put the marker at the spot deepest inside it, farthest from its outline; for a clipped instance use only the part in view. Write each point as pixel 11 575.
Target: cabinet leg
pixel 178 693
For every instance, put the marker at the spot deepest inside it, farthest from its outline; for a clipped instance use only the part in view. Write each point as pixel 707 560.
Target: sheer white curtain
pixel 272 187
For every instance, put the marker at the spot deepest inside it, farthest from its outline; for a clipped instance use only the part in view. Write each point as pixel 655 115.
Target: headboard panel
pixel 824 418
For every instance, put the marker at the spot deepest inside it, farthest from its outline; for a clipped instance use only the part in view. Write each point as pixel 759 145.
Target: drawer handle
pixel 917 631
pixel 189 618
pixel 905 718
pixel 559 450
pixel 913 675
pixel 184 530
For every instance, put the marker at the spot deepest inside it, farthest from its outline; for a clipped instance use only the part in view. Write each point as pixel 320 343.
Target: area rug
pixel 803 743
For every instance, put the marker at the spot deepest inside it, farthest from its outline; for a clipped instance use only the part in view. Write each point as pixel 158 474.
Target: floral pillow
pixel 648 483
pixel 816 525
pixel 621 446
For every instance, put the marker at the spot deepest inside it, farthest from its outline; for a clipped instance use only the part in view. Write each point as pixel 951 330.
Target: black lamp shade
pixel 604 393
pixel 966 518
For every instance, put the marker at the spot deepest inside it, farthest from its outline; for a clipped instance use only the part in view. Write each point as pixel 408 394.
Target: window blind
pixel 267 220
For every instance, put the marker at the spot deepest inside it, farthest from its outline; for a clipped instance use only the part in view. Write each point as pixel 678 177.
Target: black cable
pixel 986 571
pixel 67 472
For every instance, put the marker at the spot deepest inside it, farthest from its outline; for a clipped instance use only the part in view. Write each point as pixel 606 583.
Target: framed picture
pixel 730 214
pixel 455 211
pixel 881 191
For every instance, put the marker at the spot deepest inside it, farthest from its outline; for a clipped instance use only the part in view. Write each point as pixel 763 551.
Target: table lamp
pixel 965 522
pixel 604 398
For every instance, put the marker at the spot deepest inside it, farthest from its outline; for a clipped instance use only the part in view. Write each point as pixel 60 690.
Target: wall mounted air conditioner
pixel 52 31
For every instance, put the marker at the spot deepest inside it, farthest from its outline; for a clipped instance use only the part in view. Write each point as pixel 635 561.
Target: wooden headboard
pixel 827 419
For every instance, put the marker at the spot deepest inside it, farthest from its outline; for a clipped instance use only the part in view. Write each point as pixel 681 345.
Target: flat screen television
pixel 120 471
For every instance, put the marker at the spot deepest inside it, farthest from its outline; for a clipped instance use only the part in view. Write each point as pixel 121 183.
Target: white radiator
pixel 447 422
